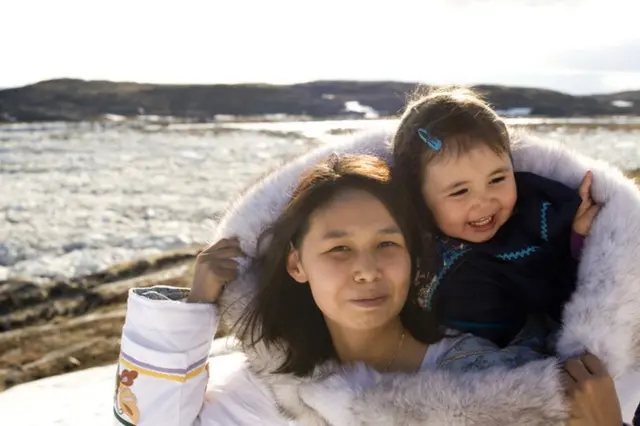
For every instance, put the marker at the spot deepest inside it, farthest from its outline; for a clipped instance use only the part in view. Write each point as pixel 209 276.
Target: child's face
pixel 471 195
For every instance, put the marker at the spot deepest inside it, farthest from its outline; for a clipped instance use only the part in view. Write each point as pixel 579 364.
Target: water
pixel 77 198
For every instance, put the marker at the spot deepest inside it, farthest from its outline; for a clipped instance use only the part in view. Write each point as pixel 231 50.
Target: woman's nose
pixel 366 268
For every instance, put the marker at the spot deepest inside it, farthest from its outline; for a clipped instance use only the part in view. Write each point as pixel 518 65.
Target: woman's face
pixel 355 259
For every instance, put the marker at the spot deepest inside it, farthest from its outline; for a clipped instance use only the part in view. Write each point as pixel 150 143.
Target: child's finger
pixel 585 186
pixel 592 211
pixel 583 207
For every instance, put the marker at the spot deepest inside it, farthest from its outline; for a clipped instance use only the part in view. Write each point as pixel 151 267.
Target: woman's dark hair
pixel 283 312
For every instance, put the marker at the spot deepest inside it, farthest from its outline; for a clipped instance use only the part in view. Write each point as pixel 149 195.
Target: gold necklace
pixel 395 355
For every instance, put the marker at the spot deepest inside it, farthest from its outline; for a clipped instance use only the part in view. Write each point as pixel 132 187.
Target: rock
pixel 7 255
pixel 26 302
pixel 74 327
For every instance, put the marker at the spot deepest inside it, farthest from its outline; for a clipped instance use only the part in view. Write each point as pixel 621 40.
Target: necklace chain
pixel 395 354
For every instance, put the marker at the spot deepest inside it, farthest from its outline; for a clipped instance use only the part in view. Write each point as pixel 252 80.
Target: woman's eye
pixel 497 180
pixel 339 249
pixel 387 244
pixel 459 193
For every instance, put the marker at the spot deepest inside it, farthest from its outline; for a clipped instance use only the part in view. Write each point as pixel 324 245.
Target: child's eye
pixel 459 193
pixel 497 180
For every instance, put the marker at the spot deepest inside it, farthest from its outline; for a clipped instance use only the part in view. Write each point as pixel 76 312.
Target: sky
pixel 575 46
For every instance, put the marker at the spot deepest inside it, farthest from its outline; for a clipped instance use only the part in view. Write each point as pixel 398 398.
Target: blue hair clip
pixel 433 143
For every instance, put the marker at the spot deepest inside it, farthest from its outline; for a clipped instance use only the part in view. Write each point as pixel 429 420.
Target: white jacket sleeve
pixel 163 365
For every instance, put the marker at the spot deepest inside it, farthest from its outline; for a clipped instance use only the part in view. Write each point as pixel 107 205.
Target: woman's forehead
pixel 349 212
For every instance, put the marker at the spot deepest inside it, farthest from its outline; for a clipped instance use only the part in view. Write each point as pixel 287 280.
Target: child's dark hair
pixel 458 117
pixel 283 312
pixel 461 120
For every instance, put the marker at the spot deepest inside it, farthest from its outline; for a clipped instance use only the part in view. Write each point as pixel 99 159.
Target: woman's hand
pixel 592 394
pixel 214 268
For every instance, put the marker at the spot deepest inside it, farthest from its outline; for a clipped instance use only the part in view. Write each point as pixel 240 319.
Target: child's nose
pixel 481 200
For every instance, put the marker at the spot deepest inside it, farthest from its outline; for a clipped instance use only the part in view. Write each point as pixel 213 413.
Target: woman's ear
pixel 294 266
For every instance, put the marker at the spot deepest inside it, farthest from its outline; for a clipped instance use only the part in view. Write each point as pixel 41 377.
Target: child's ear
pixel 294 266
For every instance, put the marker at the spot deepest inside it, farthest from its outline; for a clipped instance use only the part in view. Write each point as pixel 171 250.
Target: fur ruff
pixel 602 317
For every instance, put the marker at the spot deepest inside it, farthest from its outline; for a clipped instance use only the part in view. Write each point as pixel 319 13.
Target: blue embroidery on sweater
pixel 544 234
pixel 449 257
pixel 515 255
pixel 544 231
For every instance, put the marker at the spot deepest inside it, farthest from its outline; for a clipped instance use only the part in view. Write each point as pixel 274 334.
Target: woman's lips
pixel 370 302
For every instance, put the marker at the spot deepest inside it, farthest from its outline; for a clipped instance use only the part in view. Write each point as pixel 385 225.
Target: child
pixel 508 241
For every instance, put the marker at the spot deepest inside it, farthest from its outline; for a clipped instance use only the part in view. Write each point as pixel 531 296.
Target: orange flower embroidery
pixel 127 402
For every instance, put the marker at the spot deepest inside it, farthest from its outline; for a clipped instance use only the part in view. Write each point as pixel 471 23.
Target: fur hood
pixel 602 316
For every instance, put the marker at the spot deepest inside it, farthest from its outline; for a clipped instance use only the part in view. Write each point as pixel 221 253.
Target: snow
pixel 74 399
pixel 622 104
pixel 77 198
pixel 357 107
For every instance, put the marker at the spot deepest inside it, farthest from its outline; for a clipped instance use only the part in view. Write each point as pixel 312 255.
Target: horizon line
pixel 302 82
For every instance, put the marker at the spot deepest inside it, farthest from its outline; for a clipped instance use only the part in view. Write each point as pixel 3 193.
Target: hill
pixel 75 100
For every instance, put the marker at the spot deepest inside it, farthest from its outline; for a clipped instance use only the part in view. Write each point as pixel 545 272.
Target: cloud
pixel 524 42
pixel 623 56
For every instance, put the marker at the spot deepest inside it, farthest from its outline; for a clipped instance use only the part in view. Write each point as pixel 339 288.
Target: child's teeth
pixel 483 221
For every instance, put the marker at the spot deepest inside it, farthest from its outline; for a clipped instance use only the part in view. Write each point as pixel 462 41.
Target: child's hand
pixel 215 267
pixel 588 209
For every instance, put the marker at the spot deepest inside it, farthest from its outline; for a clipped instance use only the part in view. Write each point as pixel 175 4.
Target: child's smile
pixel 484 224
pixel 471 195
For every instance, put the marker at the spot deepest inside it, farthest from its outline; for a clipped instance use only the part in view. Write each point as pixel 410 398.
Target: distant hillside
pixel 74 100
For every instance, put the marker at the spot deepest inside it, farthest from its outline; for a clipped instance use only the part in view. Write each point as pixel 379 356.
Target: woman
pixel 339 259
